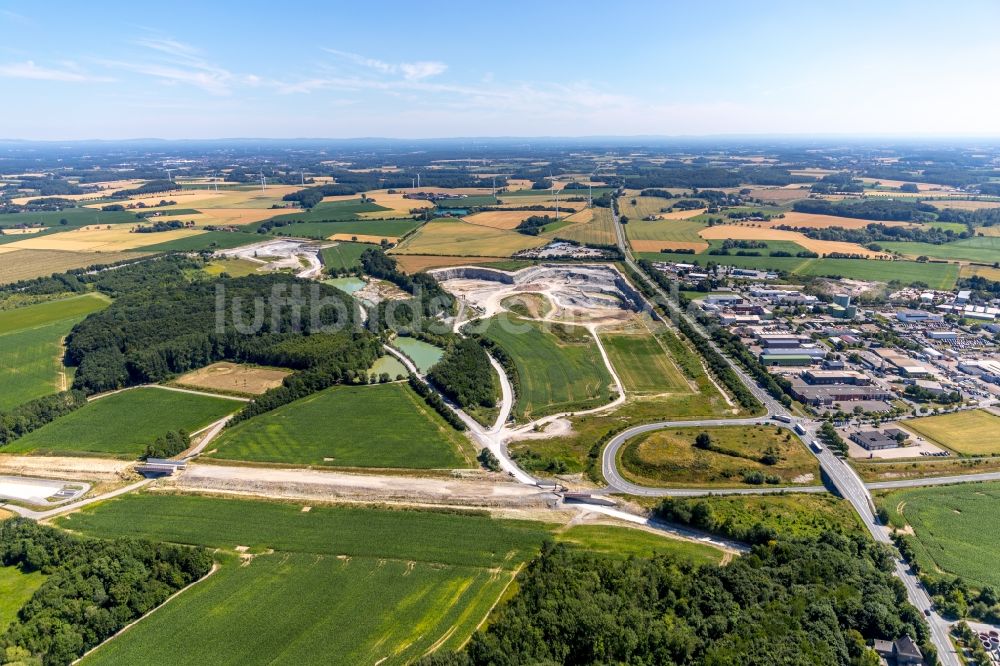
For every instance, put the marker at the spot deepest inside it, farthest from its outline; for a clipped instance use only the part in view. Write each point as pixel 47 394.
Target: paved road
pixel 935 481
pixel 66 508
pixel 839 473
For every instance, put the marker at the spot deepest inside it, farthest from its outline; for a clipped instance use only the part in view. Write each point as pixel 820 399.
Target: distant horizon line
pixel 731 136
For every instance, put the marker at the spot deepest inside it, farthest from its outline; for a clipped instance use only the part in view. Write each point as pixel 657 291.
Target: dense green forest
pixel 465 375
pixel 875 233
pixel 147 335
pixel 152 187
pixel 93 588
pixel 787 602
pixel 870 209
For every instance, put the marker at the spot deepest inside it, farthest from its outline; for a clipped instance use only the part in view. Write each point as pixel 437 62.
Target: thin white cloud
pixel 179 63
pixel 414 71
pixel 411 71
pixel 29 70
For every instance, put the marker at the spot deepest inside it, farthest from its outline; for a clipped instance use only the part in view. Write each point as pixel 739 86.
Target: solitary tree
pixel 703 441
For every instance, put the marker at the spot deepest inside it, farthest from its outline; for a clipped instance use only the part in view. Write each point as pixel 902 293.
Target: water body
pixel 423 354
pixel 346 284
pixel 389 364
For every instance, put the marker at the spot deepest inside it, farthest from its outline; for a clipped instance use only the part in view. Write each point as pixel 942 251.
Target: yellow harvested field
pixel 21 232
pixel 20 264
pixel 735 232
pixel 100 239
pixel 459 238
pixel 236 216
pixel 660 246
pixel 585 215
pixel 363 238
pixel 780 195
pixel 398 205
pixel 203 199
pixel 234 378
pixel 518 184
pixel 414 263
pixel 105 189
pixel 682 214
pixel 544 199
pixel 988 272
pixel 503 219
pixel 989 231
pixel 965 204
pixel 922 187
pixel 794 219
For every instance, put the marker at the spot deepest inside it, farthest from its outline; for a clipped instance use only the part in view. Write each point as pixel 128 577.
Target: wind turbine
pixel 169 177
pixel 418 179
pixel 302 175
pixel 263 183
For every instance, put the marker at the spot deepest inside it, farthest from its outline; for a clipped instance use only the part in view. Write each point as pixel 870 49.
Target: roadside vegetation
pixel 723 456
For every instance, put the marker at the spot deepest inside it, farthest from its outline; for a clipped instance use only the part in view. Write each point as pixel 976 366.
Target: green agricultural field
pixel 343 585
pixel 670 457
pixel 333 210
pixel 122 424
pixel 643 364
pixel 31 346
pixel 576 451
pixel 971 432
pixel 382 425
pixel 953 528
pixel 210 240
pixel 559 367
pixel 75 217
pixel 326 228
pixel 629 542
pixel 232 267
pixel 16 588
pixel 678 231
pixel 469 540
pixel 984 249
pixel 936 276
pixel 454 237
pixel 344 256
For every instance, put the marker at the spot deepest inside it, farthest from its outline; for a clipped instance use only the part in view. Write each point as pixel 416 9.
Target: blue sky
pixel 72 70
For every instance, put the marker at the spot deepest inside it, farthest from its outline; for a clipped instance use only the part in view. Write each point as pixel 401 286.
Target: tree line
pixel 93 588
pixel 787 602
pixel 464 374
pixel 870 209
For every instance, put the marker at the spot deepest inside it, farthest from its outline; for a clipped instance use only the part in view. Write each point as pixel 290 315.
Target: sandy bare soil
pixel 227 376
pixel 65 467
pixel 323 485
